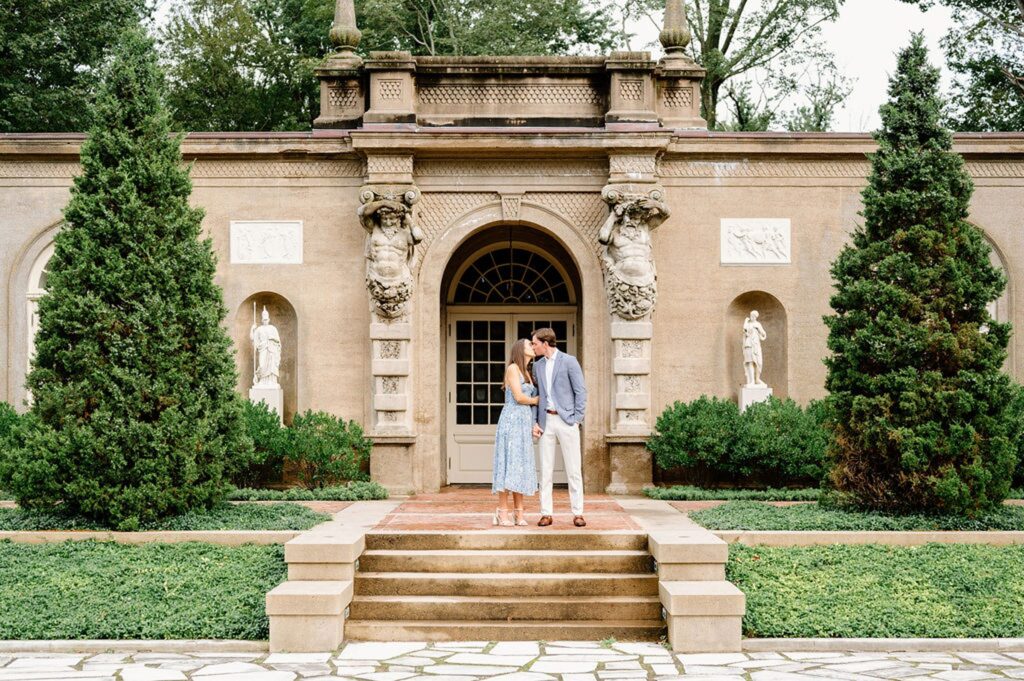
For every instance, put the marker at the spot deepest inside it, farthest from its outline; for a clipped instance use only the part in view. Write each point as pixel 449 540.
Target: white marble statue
pixel 753 359
pixel 266 347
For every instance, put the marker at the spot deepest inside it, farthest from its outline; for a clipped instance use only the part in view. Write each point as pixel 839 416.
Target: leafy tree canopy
pixel 51 52
pixel 248 64
pixel 985 52
pixel 776 41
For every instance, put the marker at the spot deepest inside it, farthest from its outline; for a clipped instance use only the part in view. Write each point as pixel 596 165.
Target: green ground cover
pixel 691 493
pixel 938 590
pixel 224 517
pixel 104 590
pixel 753 515
pixel 356 490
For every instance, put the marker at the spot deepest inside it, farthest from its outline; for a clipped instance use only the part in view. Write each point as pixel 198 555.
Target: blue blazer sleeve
pixel 579 390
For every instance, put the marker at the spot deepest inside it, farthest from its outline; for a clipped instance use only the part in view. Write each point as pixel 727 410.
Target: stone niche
pixel 282 315
pixel 774 348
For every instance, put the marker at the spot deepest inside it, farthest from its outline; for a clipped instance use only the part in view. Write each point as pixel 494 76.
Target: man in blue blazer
pixel 557 417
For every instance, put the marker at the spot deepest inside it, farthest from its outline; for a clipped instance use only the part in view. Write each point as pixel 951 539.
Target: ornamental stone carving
pixel 628 258
pixel 391 238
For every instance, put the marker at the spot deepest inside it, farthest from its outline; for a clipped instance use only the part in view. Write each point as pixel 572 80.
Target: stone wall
pixel 282 212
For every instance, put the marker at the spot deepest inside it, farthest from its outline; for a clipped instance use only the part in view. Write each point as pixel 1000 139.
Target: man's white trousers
pixel 568 437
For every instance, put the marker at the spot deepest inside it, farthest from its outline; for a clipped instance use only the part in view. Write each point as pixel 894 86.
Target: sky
pixel 865 41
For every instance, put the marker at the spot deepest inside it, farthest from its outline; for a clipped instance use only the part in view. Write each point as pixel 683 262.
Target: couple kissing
pixel 545 401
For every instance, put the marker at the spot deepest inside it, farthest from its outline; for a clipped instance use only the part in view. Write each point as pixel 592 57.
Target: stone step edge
pixel 504 553
pixel 485 600
pixel 598 576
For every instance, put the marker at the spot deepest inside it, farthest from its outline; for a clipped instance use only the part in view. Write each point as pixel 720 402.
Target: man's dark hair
pixel 546 335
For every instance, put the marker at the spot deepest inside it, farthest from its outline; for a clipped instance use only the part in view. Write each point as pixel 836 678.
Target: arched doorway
pixel 499 286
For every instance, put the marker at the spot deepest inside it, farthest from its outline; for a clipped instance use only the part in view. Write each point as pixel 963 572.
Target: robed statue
pixel 266 347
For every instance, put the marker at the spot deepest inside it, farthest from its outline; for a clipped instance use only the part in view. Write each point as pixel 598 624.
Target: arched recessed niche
pixel 772 316
pixel 282 315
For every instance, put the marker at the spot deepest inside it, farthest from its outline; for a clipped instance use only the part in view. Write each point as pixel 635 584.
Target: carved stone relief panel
pixel 756 241
pixel 679 97
pixel 266 242
pixel 632 90
pixel 391 89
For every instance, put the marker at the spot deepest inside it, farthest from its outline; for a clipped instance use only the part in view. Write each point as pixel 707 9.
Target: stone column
pixel 631 88
pixel 392 233
pixel 636 204
pixel 341 85
pixel 678 77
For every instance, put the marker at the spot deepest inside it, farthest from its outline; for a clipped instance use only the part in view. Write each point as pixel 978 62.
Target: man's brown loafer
pixel 578 521
pixel 544 521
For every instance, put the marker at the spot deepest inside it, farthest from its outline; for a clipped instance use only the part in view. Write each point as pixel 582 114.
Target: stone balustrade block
pixel 697 546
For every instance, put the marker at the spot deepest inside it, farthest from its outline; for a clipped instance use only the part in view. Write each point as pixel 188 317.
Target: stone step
pixel 508 540
pixel 506 561
pixel 505 608
pixel 520 630
pixel 504 584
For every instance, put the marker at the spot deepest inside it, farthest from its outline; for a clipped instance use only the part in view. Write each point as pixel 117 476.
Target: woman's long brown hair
pixel 518 357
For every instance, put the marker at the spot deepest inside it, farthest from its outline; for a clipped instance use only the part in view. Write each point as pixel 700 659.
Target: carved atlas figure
pixel 630 275
pixel 391 238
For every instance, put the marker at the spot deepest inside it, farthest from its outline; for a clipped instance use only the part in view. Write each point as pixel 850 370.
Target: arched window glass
pixel 37 280
pixel 512 276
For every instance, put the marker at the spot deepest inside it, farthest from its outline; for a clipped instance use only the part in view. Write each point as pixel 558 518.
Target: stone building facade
pixel 443 207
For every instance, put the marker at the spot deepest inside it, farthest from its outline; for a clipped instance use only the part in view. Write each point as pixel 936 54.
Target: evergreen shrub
pixel 775 440
pixel 134 414
pixel 327 450
pixel 921 417
pixel 778 436
pixel 700 434
pixel 8 422
pixel 265 461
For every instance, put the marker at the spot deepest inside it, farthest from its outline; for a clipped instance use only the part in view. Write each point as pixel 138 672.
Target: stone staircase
pixel 505 585
pixel 348 580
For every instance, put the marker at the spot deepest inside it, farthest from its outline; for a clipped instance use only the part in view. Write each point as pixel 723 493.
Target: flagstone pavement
pixel 510 661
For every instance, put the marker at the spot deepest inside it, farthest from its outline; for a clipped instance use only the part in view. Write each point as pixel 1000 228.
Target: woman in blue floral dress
pixel 514 467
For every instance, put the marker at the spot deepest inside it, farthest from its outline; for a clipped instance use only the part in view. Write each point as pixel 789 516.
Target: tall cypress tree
pixel 134 414
pixel 915 372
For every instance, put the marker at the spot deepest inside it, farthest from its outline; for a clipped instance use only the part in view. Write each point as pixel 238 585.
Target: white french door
pixel 478 345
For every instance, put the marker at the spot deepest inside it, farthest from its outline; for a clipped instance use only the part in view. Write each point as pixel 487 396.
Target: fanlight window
pixel 512 276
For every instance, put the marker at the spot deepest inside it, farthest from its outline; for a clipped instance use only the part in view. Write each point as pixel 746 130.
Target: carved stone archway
pixel 426 463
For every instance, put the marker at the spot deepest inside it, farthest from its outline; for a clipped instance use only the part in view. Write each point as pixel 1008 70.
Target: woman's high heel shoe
pixel 520 517
pixel 496 520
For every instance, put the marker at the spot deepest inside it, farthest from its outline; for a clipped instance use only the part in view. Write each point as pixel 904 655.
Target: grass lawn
pixel 937 590
pixel 225 517
pixel 101 590
pixel 753 515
